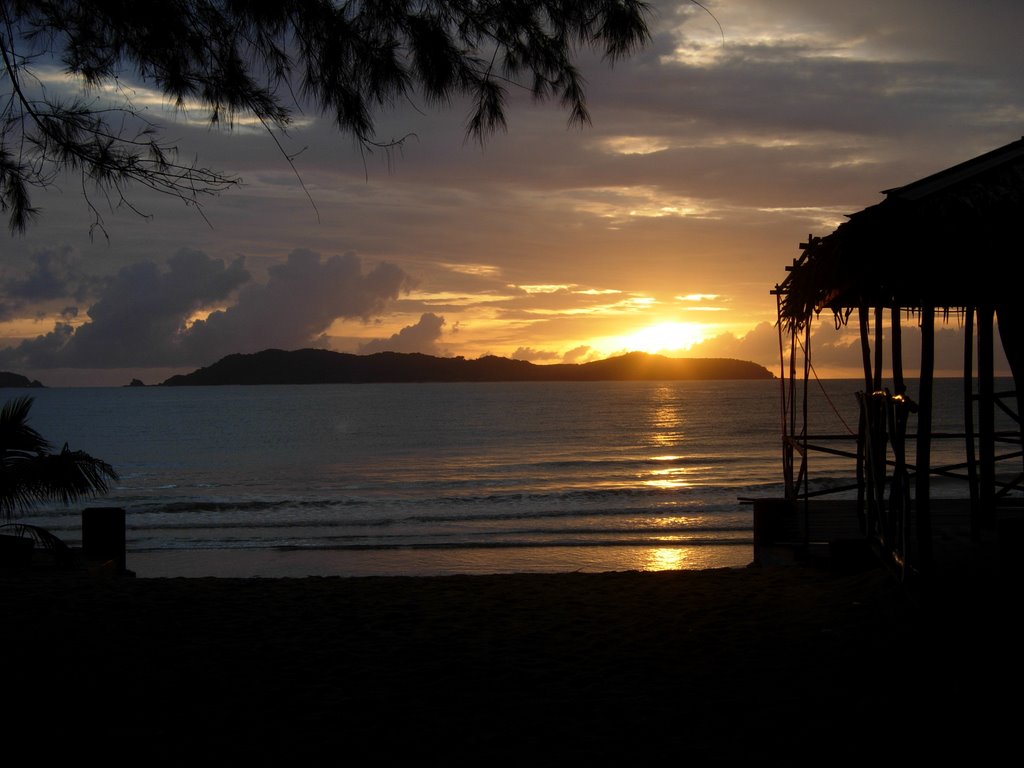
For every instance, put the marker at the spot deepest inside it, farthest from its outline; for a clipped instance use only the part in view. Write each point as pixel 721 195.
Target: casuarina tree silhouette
pixel 268 60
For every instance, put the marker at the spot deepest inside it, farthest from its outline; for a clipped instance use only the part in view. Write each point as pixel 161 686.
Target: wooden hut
pixel 944 247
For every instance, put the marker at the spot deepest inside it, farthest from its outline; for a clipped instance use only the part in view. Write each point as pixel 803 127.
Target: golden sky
pixel 663 226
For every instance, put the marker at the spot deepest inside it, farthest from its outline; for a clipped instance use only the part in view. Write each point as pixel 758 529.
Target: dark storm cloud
pixel 53 274
pixel 299 301
pixel 421 337
pixel 142 319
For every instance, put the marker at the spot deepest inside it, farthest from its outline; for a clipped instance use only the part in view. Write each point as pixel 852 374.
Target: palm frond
pixel 30 475
pixel 16 436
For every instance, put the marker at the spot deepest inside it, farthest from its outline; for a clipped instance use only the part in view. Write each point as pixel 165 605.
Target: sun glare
pixel 665 337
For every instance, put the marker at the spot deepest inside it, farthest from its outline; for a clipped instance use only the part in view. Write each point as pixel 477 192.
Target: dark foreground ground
pixel 791 664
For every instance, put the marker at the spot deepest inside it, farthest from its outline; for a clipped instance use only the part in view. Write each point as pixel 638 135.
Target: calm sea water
pixel 439 478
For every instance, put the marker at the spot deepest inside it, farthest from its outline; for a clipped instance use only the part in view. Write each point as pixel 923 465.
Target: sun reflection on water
pixel 691 557
pixel 667 483
pixel 671 477
pixel 666 419
pixel 666 559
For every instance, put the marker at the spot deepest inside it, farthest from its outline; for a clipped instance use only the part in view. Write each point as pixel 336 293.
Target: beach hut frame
pixel 887 264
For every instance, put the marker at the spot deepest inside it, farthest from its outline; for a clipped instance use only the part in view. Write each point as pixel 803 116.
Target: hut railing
pixel 884 477
pixel 957 471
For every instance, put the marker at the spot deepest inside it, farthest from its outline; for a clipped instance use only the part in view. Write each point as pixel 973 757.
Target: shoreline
pixel 423 562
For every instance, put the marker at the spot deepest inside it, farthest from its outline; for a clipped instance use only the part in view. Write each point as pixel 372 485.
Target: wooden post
pixel 969 445
pixel 879 350
pixel 865 511
pixel 791 481
pixel 986 420
pixel 805 453
pixel 865 347
pixel 898 385
pixel 899 412
pixel 787 448
pixel 865 426
pixel 924 439
pixel 1010 319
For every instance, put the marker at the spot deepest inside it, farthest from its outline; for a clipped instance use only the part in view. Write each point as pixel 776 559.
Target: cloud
pixel 741 148
pixel 143 317
pixel 580 354
pixel 530 354
pixel 421 337
pixel 299 301
pixel 54 274
pixel 760 345
pixel 841 350
pixel 139 320
pixel 576 354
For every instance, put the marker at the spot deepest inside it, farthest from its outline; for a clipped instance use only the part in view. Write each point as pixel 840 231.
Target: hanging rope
pixel 822 388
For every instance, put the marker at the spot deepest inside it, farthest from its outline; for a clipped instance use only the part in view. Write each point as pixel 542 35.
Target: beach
pixel 795 663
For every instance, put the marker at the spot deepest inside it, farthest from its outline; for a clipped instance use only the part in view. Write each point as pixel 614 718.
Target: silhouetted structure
pixel 937 246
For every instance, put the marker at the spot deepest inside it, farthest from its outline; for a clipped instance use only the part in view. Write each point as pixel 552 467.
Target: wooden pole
pixel 898 414
pixel 870 436
pixel 969 452
pixel 877 379
pixel 898 385
pixel 865 346
pixel 787 449
pixel 806 456
pixel 1010 320
pixel 791 488
pixel 924 439
pixel 986 419
pixel 865 486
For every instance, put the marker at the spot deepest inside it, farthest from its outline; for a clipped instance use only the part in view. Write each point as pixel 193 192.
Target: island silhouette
pixel 321 366
pixel 10 380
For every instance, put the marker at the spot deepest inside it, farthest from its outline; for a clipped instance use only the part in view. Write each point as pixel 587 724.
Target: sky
pixel 662 226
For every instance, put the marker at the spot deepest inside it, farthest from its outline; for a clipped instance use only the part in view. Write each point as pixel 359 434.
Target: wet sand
pixel 793 664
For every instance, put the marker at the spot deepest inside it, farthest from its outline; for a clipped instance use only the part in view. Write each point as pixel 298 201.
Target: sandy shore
pixel 791 663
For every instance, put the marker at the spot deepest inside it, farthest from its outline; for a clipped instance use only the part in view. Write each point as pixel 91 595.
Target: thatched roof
pixel 952 239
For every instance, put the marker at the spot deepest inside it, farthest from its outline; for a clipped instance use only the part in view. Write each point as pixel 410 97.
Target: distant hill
pixel 16 380
pixel 320 366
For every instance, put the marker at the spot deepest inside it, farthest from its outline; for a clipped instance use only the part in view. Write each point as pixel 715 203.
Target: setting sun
pixel 664 337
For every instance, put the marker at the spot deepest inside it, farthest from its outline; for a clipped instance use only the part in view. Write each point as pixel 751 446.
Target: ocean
pixel 422 479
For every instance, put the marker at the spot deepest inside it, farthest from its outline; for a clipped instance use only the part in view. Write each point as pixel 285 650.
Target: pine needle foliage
pixel 269 60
